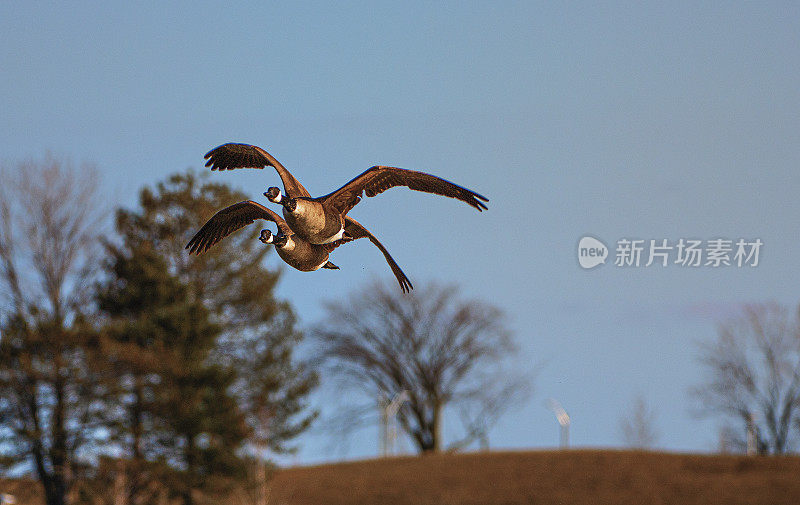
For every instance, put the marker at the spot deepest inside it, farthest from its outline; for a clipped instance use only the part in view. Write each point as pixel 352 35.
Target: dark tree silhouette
pixel 49 397
pixel 175 420
pixel 446 353
pixel 168 318
pixel 753 377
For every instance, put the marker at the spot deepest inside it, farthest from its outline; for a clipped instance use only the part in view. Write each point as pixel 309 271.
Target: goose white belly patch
pixel 336 237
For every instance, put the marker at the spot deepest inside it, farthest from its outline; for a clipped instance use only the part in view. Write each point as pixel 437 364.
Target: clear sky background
pixel 650 121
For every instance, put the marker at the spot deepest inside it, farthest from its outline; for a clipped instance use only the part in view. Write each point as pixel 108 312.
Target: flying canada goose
pixel 322 220
pixel 292 249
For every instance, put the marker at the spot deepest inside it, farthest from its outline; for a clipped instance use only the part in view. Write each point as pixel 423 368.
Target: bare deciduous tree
pixel 753 376
pixel 48 410
pixel 637 426
pixel 447 354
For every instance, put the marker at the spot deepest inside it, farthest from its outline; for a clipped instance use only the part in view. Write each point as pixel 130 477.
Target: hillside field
pixel 545 477
pixel 536 477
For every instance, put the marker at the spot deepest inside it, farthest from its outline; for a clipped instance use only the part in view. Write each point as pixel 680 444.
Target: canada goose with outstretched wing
pixel 292 249
pixel 322 220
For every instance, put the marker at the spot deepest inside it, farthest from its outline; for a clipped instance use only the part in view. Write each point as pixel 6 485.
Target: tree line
pixel 116 346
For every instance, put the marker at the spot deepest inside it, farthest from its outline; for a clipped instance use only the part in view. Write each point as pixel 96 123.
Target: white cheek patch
pixel 278 198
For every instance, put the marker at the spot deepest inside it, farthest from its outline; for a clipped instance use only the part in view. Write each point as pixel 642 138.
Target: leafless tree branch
pixel 637 426
pixel 49 223
pixel 753 375
pixel 442 351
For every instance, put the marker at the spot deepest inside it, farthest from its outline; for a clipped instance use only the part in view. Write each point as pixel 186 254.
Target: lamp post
pixel 389 422
pixel 752 439
pixel 563 421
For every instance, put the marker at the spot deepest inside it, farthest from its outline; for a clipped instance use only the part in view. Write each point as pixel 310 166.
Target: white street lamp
pixel 563 421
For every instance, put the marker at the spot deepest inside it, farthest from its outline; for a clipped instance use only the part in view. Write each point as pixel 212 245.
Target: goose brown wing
pixel 354 231
pixel 230 219
pixel 231 156
pixel 378 179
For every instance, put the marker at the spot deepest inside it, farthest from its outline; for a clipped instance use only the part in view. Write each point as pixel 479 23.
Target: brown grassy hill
pixel 571 477
pixel 542 477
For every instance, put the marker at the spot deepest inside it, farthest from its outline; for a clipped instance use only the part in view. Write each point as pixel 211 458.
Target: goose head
pixel 280 240
pixel 274 195
pixel 266 237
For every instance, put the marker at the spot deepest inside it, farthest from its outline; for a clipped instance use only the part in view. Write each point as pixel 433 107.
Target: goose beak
pixel 266 237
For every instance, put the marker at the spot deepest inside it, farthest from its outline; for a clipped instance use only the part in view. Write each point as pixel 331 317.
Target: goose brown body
pixel 303 255
pixel 319 224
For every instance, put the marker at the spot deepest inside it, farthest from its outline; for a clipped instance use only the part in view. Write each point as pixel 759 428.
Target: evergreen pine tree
pixel 257 331
pixel 177 421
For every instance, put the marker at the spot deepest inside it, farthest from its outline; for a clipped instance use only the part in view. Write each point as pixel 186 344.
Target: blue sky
pixel 641 120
